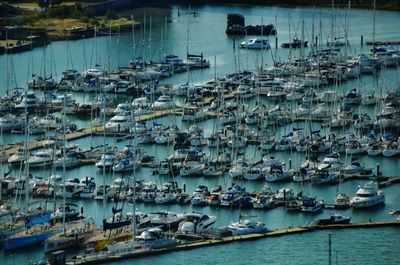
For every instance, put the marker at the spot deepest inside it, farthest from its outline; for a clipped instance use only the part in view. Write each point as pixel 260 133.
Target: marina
pixel 193 135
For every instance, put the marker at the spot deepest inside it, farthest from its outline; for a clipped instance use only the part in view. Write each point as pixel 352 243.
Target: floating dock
pixel 383 42
pixel 225 240
pixel 97 130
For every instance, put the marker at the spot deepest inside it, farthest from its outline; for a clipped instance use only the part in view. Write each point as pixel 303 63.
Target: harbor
pixel 200 131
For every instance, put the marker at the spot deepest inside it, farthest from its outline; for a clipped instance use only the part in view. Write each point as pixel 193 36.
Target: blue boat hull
pixel 28 240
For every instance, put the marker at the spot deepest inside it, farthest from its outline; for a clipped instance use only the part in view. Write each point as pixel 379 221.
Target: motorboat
pixel 164 102
pixel 354 168
pixel 69 160
pixel 285 194
pixel 331 162
pixel 333 220
pixel 167 221
pixel 244 227
pixel 28 101
pixel 42 158
pixel 325 177
pixel 192 168
pixel 392 149
pixel 263 201
pixel 311 204
pixel 254 173
pixel 69 211
pixel 148 239
pixel 355 147
pixel 106 161
pixel 17 158
pixel 255 44
pixel 342 201
pixel 119 123
pixel 195 223
pixel 124 86
pixel 295 43
pixel 368 196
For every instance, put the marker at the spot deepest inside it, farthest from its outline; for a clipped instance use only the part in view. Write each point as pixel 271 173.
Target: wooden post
pixel 378 170
pixel 362 40
pixel 276 42
pixel 329 249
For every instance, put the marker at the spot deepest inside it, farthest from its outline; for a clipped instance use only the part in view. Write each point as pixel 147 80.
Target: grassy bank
pixel 59 20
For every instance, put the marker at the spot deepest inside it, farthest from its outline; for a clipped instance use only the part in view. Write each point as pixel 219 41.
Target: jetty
pixel 96 130
pixel 208 242
pixel 383 42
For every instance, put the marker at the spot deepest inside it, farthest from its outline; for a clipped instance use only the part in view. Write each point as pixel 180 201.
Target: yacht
pixel 106 161
pixel 119 123
pixel 124 87
pixel 164 102
pixel 331 161
pixel 28 100
pixel 368 196
pixel 255 44
pixel 17 158
pixel 195 223
pixel 41 159
pixel 149 239
pixel 244 227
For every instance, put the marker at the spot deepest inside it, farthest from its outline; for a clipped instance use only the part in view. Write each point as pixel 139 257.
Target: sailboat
pixel 38 228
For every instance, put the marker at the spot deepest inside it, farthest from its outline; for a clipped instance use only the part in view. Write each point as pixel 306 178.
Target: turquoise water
pixel 206 31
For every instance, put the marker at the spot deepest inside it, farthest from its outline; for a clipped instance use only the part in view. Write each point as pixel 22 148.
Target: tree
pixel 44 3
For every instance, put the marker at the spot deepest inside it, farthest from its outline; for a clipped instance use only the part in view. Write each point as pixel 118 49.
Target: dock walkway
pixel 225 240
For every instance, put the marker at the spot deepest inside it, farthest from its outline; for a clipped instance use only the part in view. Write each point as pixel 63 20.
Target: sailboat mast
pixel 133 37
pixel 26 153
pixel 135 143
pixel 104 154
pixel 63 162
pixel 373 25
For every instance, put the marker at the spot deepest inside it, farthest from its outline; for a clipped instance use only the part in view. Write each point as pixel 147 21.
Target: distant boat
pixel 296 43
pixel 255 44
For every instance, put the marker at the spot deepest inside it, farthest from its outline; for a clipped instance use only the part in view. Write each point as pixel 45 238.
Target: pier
pixel 85 132
pixel 383 42
pixel 229 239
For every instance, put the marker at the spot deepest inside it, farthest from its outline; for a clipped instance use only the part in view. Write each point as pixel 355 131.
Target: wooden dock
pixel 225 240
pixel 97 130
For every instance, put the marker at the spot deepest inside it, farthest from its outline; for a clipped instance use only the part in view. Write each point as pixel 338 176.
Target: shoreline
pixel 273 3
